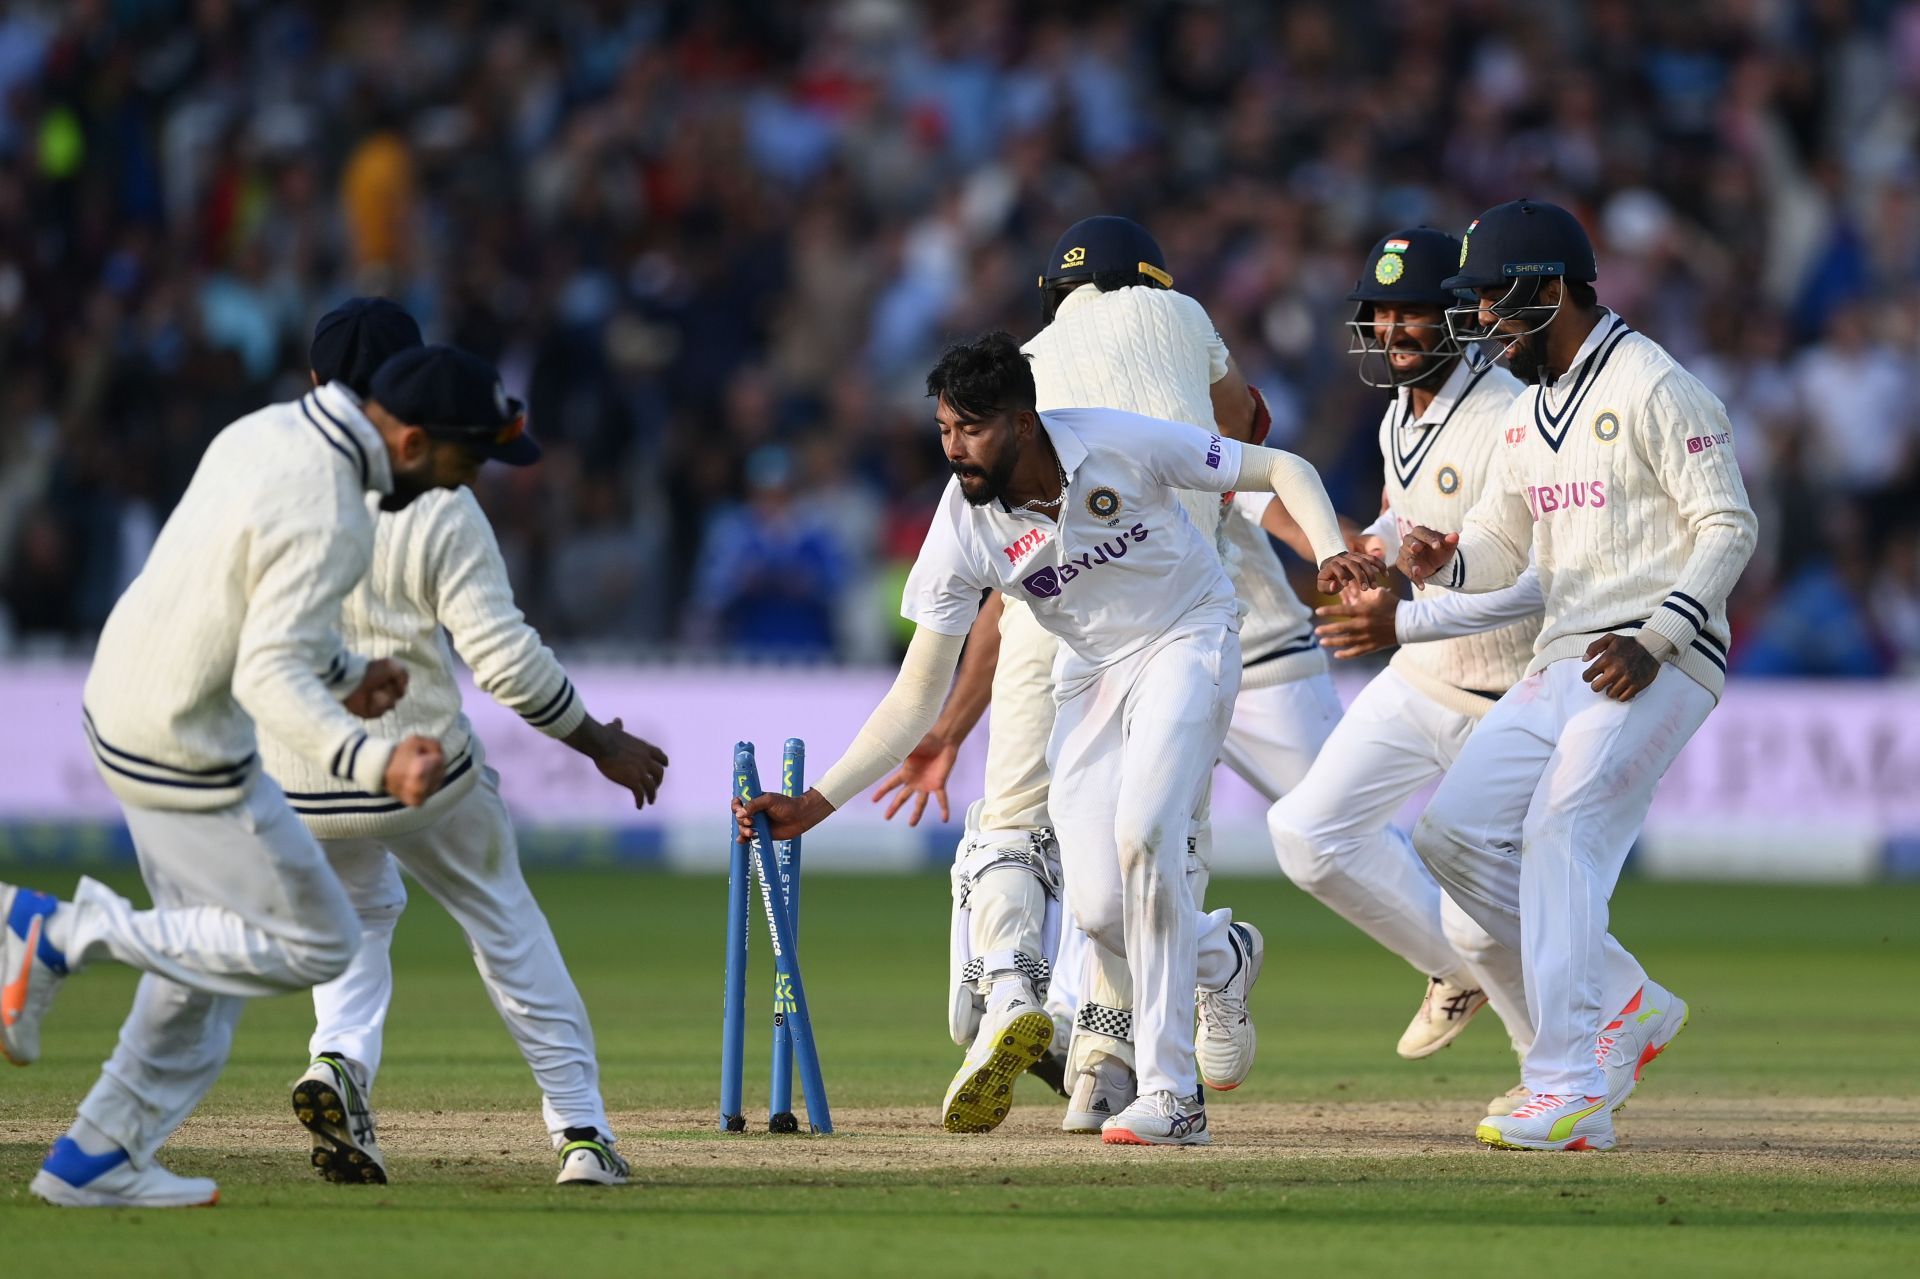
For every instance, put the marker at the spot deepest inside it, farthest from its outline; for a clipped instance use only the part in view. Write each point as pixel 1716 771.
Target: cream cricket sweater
pixel 1437 466
pixel 231 622
pixel 1621 476
pixel 436 573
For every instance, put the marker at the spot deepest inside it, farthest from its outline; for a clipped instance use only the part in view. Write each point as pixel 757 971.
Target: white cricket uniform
pixel 1621 477
pixel 1334 833
pixel 437 575
pixel 1143 687
pixel 230 623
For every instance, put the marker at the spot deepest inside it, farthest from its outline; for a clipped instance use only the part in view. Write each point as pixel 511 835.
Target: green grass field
pixel 1780 1136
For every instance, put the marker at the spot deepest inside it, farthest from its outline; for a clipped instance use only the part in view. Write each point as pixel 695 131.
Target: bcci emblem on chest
pixel 1448 480
pixel 1104 504
pixel 1606 427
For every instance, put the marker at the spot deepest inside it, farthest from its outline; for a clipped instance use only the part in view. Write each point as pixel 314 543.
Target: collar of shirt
pixel 1601 332
pixel 1066 446
pixel 340 408
pixel 1445 398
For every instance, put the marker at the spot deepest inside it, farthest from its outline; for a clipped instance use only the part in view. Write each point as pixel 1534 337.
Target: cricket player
pixel 1440 438
pixel 1618 472
pixel 231 623
pixel 437 576
pixel 1117 336
pixel 1145 683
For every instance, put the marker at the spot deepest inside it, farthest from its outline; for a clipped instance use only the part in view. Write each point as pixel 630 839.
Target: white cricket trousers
pixel 1335 838
pixel 244 905
pixel 1529 831
pixel 469 861
pixel 1131 752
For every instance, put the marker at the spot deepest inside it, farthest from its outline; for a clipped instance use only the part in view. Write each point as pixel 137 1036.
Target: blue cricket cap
pixel 354 339
pixel 454 395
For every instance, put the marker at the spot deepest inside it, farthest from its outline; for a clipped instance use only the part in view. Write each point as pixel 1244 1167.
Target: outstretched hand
pixel 632 763
pixel 921 776
pixel 1424 552
pixel 1350 569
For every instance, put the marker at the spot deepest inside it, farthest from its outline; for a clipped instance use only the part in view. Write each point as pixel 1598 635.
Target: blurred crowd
pixel 716 246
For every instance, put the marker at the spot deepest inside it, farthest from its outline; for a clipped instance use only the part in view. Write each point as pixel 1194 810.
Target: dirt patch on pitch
pixel 1782 1134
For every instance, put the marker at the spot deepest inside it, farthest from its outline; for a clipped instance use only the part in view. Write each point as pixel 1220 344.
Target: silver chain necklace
pixel 1044 503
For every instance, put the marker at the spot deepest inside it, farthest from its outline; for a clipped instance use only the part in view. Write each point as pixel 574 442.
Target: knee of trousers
pixel 1464 934
pixel 1101 918
pixel 1309 852
pixel 1440 837
pixel 321 953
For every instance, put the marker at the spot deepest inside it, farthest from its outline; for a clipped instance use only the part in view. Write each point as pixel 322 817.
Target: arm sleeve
pixel 1201 330
pixel 468 587
pixel 1689 444
pixel 900 720
pixel 1297 485
pixel 1496 541
pixel 298 576
pixel 1449 616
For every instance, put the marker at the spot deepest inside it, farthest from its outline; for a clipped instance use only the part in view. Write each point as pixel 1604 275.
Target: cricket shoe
pixel 72 1178
pixel 588 1160
pixel 1099 1093
pixel 1509 1101
pixel 1160 1119
pixel 1226 1042
pixel 1009 1042
pixel 1639 1033
pixel 1549 1122
pixel 1444 1012
pixel 30 970
pixel 330 1105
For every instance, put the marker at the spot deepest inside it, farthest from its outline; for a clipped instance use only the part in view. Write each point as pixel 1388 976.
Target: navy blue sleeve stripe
pixel 1689 618
pixel 354 757
pixel 1721 648
pixel 566 687
pixel 1698 607
pixel 333 765
pixel 554 718
pixel 1686 608
pixel 314 798
pixel 366 475
pixel 1711 656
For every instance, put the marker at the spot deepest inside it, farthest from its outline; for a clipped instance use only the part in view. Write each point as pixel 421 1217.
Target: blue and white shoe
pixel 30 970
pixel 1159 1119
pixel 1225 1042
pixel 71 1178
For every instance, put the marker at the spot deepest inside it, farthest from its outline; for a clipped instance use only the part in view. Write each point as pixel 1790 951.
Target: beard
pixel 405 489
pixel 981 485
pixel 1523 360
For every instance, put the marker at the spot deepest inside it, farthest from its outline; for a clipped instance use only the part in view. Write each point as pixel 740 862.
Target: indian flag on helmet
pixel 1395 246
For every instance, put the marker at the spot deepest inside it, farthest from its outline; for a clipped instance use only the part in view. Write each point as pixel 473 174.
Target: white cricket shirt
pixel 1124 565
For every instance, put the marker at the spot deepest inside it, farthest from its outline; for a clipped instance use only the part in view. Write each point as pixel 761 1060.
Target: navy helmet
pixel 1107 252
pixel 1407 268
pixel 1517 246
pixel 454 395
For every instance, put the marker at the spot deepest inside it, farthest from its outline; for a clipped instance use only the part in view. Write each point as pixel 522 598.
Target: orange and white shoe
pixel 1444 1012
pixel 1549 1122
pixel 31 969
pixel 1160 1119
pixel 1640 1032
pixel 1509 1101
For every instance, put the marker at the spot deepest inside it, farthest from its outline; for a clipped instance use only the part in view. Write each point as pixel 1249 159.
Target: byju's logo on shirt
pixel 1047 583
pixel 1546 499
pixel 1213 452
